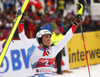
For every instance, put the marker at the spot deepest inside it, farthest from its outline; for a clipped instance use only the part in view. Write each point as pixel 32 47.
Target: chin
pixel 48 45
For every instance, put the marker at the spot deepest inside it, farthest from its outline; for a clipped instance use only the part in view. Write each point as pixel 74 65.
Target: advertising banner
pixel 16 62
pixel 76 51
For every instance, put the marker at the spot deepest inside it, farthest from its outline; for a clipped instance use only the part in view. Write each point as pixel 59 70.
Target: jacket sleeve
pixel 65 40
pixel 22 36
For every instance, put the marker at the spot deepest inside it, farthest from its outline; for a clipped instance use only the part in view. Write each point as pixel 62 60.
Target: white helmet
pixel 41 33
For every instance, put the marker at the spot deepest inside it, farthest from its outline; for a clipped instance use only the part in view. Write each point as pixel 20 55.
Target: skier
pixel 42 57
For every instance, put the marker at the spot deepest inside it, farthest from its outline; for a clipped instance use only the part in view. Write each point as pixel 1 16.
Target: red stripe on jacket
pixel 20 28
pixel 73 28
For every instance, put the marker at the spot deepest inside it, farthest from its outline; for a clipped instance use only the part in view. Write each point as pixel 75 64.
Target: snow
pixel 83 72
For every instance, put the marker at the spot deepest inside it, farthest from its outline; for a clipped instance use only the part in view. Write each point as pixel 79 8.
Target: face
pixel 46 39
pixel 56 31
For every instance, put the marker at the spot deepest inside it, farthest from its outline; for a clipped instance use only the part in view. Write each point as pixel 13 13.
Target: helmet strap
pixel 45 46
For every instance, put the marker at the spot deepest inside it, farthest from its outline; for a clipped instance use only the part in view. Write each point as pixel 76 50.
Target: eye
pixel 46 36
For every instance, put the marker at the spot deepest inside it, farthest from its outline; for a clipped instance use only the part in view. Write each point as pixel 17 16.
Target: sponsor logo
pixel 5 64
pixel 80 55
pixel 37 70
pixel 15 61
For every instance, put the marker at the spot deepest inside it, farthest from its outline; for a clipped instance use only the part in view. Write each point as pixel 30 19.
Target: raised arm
pixel 68 35
pixel 22 35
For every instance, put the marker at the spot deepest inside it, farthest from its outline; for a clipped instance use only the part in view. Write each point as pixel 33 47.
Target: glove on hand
pixel 78 19
pixel 19 13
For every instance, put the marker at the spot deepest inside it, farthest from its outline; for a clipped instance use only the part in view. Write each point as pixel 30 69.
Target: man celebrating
pixel 42 57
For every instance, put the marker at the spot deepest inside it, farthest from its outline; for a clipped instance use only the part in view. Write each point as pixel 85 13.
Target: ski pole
pixel 3 53
pixel 80 10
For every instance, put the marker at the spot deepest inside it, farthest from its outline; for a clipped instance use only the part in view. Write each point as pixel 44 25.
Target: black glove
pixel 78 19
pixel 23 15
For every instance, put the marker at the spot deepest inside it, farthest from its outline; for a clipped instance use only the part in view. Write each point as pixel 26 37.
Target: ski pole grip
pixel 79 8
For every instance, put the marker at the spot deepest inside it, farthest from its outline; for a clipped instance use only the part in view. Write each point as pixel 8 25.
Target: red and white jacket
pixel 42 60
